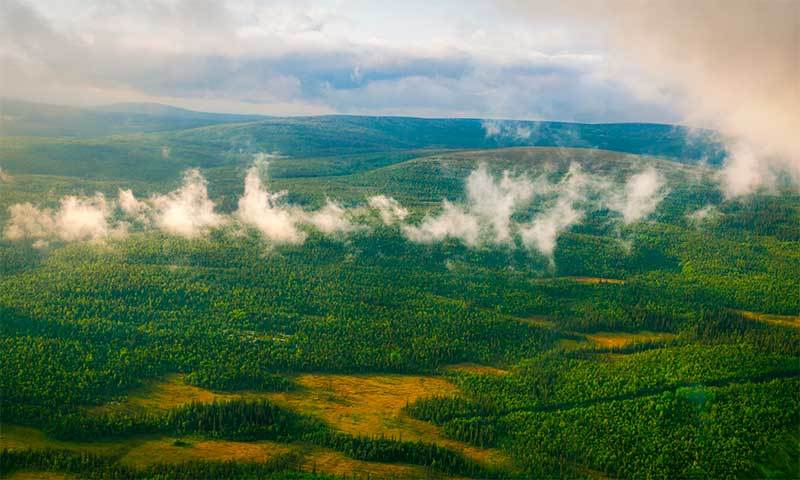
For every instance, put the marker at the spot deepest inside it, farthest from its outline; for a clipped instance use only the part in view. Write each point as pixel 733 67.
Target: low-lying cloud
pixel 643 192
pixel 492 212
pixel 541 234
pixel 732 66
pixel 263 210
pixel 76 219
pixel 388 208
pixel 187 211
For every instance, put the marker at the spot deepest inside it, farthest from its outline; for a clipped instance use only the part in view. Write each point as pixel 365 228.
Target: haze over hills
pixel 144 134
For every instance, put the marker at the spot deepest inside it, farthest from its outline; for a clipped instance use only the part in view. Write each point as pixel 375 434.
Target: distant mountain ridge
pixel 21 118
pixel 328 135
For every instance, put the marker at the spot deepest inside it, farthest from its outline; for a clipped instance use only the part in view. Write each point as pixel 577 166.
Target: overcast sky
pixel 426 58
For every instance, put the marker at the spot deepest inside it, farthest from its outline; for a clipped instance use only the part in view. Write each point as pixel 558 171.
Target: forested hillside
pixel 652 335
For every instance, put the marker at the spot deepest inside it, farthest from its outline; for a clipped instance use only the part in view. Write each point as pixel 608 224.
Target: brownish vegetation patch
pixel 792 321
pixel 372 405
pixel 159 395
pixel 363 404
pixel 595 280
pixel 20 438
pixel 164 450
pixel 323 460
pixel 368 405
pixel 39 475
pixel 475 368
pixel 614 339
pixel 539 321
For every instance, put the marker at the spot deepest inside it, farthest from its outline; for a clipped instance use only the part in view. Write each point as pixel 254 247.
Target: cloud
pixel 729 65
pixel 702 215
pixel 263 210
pixel 453 222
pixel 486 215
pixel 331 219
pixel 643 192
pixel 84 218
pixel 76 219
pixel 494 202
pixel 543 231
pixel 131 206
pixel 188 211
pixel 388 208
pixel 287 58
pixel 513 130
pixel 28 221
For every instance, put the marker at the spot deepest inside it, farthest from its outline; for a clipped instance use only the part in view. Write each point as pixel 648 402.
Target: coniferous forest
pixel 653 335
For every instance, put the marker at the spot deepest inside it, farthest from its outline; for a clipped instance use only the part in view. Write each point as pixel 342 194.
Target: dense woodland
pixel 82 323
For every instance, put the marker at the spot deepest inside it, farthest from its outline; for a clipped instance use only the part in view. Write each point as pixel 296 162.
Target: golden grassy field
pixel 38 475
pixel 16 437
pixel 357 404
pixel 792 321
pixel 159 395
pixel 373 405
pixel 614 339
pixel 584 280
pixel 475 368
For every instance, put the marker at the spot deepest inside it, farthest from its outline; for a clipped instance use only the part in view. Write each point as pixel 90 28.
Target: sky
pixel 732 65
pixel 449 58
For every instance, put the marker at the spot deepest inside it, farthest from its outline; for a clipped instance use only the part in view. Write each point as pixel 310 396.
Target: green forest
pixel 667 346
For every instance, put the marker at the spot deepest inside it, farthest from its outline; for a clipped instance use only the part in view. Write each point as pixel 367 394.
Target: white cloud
pixel 187 211
pixel 28 221
pixel 643 192
pixel 77 219
pixel 732 66
pixel 452 222
pixel 486 215
pixel 514 130
pixel 331 219
pixel 542 233
pixel 263 210
pixel 702 215
pixel 494 202
pixel 131 206
pixel 84 218
pixel 388 208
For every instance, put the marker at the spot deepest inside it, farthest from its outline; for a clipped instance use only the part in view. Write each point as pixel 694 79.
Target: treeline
pixel 233 420
pixel 233 377
pixel 246 420
pixel 90 466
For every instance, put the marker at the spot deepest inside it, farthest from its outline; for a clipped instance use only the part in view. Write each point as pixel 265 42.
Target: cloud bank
pixel 263 210
pixel 284 57
pixel 491 213
pixel 732 66
pixel 187 211
pixel 76 219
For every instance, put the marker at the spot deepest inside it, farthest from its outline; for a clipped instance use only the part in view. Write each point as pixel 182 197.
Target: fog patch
pixel 76 219
pixel 507 129
pixel 331 219
pixel 643 192
pixel 188 211
pixel 264 210
pixel 453 222
pixel 388 208
pixel 542 233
